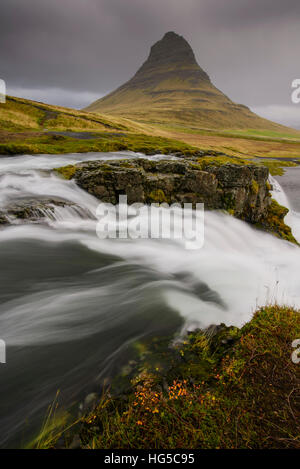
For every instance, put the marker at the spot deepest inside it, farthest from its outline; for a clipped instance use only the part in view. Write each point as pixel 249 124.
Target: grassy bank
pixel 96 142
pixel 223 388
pixel 28 127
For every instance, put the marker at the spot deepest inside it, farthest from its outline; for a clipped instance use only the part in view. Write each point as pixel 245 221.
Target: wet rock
pixel 241 190
pixel 31 210
pixel 3 219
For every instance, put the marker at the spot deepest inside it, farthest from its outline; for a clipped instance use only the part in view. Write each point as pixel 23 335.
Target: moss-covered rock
pixel 240 189
pixel 3 219
pixel 273 222
pixel 67 172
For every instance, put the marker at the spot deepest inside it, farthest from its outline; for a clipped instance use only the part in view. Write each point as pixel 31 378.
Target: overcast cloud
pixel 71 52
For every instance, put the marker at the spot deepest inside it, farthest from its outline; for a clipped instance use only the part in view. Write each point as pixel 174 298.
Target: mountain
pixel 170 87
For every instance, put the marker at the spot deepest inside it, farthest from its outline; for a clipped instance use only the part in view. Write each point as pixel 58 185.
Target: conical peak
pixel 172 38
pixel 171 34
pixel 172 54
pixel 172 48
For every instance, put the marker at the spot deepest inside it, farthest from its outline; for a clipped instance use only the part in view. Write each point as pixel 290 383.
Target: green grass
pixel 269 133
pixel 103 142
pixel 237 388
pixel 18 115
pixel 276 168
pixel 251 134
pixel 25 127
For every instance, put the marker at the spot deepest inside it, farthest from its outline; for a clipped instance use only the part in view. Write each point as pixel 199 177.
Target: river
pixel 71 304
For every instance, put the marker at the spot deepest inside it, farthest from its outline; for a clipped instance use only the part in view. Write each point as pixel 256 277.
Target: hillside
pixel 32 127
pixel 170 87
pixel 20 115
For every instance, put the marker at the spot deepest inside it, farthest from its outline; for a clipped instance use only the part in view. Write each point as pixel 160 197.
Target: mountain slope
pixel 19 115
pixel 171 87
pixel 31 127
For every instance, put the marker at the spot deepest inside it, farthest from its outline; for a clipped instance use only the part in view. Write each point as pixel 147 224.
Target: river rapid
pixel 71 304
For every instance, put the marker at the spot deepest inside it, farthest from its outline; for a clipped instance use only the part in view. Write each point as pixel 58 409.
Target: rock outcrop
pixel 240 189
pixel 31 210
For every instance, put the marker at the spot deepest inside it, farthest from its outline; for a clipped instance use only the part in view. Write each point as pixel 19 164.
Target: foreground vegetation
pixel 222 388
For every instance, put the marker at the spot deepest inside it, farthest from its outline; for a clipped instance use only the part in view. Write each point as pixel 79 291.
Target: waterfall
pixel 293 218
pixel 71 304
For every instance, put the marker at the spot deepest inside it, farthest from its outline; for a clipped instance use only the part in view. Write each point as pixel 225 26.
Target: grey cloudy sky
pixel 71 52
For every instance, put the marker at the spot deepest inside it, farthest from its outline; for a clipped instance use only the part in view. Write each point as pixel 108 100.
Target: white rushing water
pixel 81 300
pixel 293 217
